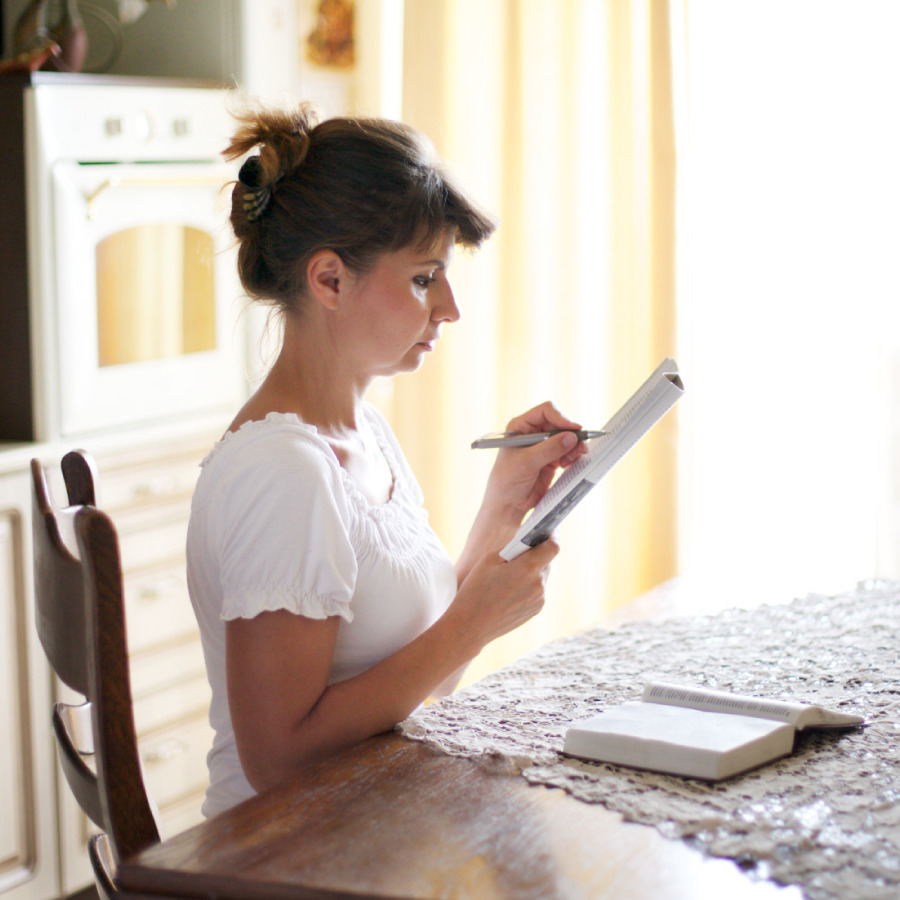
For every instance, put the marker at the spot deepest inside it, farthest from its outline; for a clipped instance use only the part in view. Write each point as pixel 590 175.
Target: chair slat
pixel 103 866
pixel 58 591
pixel 82 780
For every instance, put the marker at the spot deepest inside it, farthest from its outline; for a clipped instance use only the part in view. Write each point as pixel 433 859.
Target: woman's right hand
pixel 498 596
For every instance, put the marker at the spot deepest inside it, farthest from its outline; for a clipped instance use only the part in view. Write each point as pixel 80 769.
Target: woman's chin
pixel 414 359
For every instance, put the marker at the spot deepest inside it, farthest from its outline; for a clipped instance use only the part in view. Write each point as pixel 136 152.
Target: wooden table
pixel 391 818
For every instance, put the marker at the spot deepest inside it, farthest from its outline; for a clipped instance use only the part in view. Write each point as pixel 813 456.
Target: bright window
pixel 789 293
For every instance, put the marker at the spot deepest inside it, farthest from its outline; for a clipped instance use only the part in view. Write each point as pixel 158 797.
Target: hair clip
pixel 256 198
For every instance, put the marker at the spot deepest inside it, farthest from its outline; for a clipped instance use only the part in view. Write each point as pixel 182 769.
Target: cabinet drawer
pixel 158 607
pixel 178 701
pixel 157 480
pixel 169 686
pixel 151 537
pixel 181 815
pixel 174 761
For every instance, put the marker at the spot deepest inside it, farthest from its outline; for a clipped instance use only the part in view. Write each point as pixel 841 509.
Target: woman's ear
pixel 326 276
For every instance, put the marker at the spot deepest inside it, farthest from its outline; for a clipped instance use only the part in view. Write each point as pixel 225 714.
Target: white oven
pixel 135 301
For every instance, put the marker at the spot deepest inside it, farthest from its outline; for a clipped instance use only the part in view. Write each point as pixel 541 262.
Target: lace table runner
pixel 826 818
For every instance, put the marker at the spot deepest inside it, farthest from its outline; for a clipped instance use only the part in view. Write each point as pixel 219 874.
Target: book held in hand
pixel 643 410
pixel 697 733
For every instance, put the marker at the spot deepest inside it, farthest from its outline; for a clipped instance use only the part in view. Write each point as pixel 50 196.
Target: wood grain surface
pixel 393 819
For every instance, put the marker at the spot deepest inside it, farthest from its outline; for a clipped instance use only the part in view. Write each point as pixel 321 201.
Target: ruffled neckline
pixel 254 426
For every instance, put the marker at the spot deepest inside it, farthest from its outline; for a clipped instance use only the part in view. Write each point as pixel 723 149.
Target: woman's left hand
pixel 522 475
pixel 518 480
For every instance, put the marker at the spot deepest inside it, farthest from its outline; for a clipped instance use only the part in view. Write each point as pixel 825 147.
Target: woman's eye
pixel 424 280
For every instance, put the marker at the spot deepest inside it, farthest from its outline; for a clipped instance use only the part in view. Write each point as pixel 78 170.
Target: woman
pixel 328 608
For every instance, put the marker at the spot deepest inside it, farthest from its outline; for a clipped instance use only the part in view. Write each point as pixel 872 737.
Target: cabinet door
pixel 28 867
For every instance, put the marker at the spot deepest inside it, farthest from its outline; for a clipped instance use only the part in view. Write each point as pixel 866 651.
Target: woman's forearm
pixel 373 702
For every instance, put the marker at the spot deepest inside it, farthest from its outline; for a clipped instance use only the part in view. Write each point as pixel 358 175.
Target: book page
pixel 801 715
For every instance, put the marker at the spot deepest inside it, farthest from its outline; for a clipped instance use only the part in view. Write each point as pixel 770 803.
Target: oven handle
pixel 116 181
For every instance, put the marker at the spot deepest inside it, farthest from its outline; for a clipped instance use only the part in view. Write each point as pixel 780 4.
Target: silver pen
pixel 516 439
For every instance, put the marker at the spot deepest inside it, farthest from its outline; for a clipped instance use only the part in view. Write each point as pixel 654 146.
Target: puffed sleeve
pixel 284 534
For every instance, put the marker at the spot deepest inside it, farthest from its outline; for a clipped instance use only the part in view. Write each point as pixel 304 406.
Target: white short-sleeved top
pixel 277 523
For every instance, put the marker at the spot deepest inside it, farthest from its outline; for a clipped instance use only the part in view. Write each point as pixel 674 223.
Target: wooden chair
pixel 80 616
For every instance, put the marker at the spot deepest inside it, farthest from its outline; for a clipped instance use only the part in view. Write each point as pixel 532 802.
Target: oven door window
pixel 147 296
pixel 155 293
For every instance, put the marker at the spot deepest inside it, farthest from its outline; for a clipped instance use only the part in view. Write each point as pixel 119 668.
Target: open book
pixel 642 411
pixel 697 732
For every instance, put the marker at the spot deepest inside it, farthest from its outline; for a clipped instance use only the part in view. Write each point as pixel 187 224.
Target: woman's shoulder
pixel 278 441
pixel 275 467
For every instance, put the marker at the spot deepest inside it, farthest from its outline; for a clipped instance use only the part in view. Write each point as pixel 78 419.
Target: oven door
pixel 146 293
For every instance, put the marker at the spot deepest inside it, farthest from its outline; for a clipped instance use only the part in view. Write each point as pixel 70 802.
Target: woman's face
pixel 398 307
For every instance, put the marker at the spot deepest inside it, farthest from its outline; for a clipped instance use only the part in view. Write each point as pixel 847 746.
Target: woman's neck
pixel 309 379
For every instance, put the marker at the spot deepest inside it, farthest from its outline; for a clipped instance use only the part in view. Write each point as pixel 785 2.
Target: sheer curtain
pixel 559 118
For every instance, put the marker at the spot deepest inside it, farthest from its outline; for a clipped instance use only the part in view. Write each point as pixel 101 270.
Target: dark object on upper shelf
pixel 36 32
pixel 60 24
pixel 195 39
pixel 30 60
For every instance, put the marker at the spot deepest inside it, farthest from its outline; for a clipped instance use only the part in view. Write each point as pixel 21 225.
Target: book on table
pixel 698 733
pixel 643 410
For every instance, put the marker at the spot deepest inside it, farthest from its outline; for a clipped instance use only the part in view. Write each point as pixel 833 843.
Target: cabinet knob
pixel 164 752
pixel 158 590
pixel 154 487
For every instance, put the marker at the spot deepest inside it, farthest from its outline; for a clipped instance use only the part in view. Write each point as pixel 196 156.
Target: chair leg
pixel 102 864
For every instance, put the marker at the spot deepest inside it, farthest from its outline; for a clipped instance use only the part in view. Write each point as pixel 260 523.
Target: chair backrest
pixel 80 616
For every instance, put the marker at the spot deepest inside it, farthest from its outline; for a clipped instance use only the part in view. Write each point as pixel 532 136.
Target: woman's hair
pixel 359 187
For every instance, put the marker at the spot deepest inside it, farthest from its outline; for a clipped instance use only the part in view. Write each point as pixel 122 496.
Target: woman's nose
pixel 445 308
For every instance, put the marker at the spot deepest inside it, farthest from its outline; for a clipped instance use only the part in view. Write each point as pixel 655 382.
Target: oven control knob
pixel 142 127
